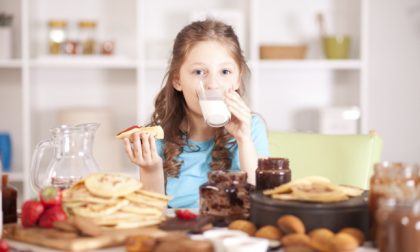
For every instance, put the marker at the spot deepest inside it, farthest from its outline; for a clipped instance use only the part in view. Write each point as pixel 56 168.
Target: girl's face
pixel 211 62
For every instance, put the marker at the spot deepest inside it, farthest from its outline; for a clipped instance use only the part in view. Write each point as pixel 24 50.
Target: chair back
pixel 344 159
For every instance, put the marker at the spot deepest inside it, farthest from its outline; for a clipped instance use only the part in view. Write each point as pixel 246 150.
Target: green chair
pixel 344 159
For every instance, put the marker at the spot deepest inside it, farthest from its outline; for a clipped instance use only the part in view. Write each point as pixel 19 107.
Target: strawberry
pixel 31 212
pixel 51 215
pixel 4 246
pixel 50 196
pixel 185 214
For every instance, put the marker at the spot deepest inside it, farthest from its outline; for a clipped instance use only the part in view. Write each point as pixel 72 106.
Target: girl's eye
pixel 226 72
pixel 199 72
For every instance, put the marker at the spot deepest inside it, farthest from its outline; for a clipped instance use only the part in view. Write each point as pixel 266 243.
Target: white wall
pixel 394 82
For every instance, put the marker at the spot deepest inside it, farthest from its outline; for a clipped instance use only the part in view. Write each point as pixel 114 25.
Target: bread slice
pixel 156 130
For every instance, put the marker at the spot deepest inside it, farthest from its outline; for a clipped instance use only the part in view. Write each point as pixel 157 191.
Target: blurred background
pixel 325 66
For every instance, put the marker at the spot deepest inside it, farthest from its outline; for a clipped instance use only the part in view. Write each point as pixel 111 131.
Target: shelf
pixel 10 63
pixel 309 64
pixel 15 176
pixel 113 62
pixel 155 64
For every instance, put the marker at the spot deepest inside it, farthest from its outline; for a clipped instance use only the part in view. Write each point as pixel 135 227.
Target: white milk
pixel 215 112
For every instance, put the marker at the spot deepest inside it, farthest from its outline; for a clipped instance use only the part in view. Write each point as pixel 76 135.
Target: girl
pixel 179 164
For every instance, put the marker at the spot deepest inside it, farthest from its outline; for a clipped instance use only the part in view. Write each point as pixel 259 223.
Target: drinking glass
pixel 212 104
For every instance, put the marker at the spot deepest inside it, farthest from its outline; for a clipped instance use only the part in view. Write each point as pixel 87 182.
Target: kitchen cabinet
pixel 35 87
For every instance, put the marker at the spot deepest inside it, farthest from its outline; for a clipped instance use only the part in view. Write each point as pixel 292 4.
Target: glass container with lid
pixel 225 197
pixel 87 30
pixel 56 35
pixel 272 172
pixel 396 180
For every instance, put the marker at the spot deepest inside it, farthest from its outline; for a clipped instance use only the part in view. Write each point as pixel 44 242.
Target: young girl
pixel 179 164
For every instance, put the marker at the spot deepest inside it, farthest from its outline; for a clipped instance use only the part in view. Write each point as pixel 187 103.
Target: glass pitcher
pixel 72 156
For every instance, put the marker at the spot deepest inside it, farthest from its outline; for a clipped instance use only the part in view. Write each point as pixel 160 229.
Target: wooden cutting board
pixel 109 238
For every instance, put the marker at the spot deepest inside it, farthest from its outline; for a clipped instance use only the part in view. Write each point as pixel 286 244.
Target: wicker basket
pixel 282 52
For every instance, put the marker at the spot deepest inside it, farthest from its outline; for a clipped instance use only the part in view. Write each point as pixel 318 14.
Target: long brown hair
pixel 170 106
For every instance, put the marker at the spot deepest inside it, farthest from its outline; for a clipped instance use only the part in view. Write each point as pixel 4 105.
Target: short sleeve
pixel 259 136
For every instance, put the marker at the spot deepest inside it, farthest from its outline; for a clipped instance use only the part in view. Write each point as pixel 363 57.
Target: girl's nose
pixel 211 82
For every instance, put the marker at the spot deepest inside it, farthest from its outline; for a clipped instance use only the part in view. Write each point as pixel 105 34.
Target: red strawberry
pixel 50 196
pixel 31 212
pixel 185 214
pixel 51 215
pixel 4 246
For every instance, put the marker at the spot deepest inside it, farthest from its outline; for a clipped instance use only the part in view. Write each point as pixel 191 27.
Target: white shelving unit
pixel 35 87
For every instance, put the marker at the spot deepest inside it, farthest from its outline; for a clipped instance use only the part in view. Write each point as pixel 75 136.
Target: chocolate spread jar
pixel 272 172
pixel 225 197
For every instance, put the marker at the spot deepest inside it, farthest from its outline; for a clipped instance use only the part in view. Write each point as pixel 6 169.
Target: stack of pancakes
pixel 314 189
pixel 115 200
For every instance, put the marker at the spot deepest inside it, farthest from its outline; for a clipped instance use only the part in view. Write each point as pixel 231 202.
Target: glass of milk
pixel 212 104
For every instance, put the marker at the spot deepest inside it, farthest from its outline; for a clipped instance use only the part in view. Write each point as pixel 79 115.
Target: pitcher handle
pixel 36 160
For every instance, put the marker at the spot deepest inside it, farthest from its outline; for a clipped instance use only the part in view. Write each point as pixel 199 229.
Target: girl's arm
pixel 143 153
pixel 240 128
pixel 248 158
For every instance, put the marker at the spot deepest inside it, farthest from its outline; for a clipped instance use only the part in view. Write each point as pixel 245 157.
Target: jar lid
pixel 273 163
pixel 57 23
pixel 87 24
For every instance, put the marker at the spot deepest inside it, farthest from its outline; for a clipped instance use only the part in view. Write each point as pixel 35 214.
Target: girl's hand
pixel 240 124
pixel 142 151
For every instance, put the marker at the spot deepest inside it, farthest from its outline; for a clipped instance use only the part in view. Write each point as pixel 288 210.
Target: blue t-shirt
pixel 196 159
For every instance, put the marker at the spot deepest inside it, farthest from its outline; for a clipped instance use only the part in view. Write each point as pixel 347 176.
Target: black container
pixel 334 216
pixel 272 172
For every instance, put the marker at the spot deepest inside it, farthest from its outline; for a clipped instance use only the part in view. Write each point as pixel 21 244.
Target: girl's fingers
pixel 145 146
pixel 137 147
pixel 240 114
pixel 128 149
pixel 153 148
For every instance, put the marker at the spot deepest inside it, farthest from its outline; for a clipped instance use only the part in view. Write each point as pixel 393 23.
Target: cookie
pixel 321 239
pixel 269 232
pixel 296 240
pixel 289 224
pixel 356 233
pixel 243 225
pixel 343 242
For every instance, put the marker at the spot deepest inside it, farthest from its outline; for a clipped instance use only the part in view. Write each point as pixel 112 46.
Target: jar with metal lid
pixel 56 35
pixel 225 197
pixel 272 172
pixel 87 30
pixel 391 180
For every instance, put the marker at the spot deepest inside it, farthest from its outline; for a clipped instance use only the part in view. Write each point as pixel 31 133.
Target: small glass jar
pixel 272 172
pixel 9 201
pixel 398 225
pixel 225 197
pixel 391 180
pixel 56 36
pixel 87 31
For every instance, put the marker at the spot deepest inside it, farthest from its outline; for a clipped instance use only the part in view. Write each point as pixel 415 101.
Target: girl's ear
pixel 176 84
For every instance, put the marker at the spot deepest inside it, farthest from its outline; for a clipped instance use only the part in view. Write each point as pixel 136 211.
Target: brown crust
pixel 290 224
pixel 269 232
pixel 243 225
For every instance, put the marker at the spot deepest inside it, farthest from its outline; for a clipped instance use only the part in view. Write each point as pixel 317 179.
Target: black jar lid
pixel 273 163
